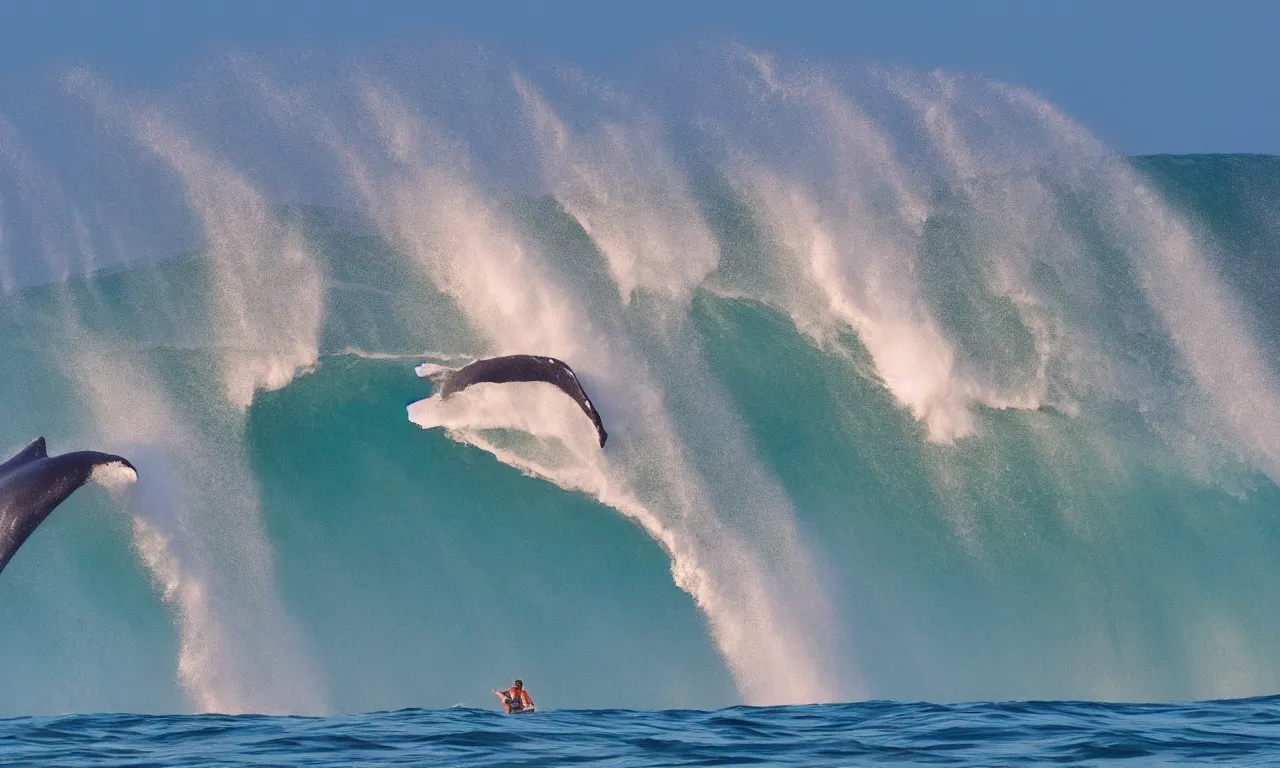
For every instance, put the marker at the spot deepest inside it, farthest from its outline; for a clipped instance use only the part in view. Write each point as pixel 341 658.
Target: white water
pixel 768 632
pixel 196 529
pixel 843 197
pixel 196 518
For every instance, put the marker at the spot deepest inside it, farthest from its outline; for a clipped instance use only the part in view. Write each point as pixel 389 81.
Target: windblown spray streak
pixel 914 390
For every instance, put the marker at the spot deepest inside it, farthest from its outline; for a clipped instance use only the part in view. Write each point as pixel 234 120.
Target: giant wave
pixel 915 390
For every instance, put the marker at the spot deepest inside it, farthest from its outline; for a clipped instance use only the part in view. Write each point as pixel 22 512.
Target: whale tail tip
pixel 114 474
pixel 436 373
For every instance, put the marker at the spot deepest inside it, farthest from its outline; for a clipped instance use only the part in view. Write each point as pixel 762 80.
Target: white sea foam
pixel 114 475
pixel 844 216
pixel 764 621
pixel 197 530
pixel 268 291
pixel 849 250
pixel 1204 319
pixel 624 189
pixel 427 370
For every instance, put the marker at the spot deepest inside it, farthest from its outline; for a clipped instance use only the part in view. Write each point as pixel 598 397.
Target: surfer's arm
pixel 506 699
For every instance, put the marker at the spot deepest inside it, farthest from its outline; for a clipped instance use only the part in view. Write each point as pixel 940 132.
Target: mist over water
pixel 914 390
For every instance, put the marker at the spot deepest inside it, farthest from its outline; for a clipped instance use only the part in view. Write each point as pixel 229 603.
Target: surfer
pixel 515 699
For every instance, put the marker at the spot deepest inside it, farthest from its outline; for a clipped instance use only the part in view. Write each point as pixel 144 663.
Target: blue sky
pixel 1146 77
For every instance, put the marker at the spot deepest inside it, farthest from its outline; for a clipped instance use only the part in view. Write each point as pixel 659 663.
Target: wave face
pixel 914 391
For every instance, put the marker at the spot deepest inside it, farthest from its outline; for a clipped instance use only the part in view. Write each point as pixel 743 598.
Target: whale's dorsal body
pixel 33 483
pixel 513 368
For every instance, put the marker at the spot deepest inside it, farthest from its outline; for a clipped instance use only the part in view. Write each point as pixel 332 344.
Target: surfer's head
pixel 518 684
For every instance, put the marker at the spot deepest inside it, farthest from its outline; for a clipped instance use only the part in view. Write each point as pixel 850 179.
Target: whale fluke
pixel 514 368
pixel 33 483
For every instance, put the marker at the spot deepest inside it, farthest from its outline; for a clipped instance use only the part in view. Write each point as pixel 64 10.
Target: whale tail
pixel 32 484
pixel 514 368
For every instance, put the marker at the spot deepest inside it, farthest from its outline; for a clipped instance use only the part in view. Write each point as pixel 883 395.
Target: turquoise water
pixel 915 391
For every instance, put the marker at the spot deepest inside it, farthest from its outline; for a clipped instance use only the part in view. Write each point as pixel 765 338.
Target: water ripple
pixel 872 733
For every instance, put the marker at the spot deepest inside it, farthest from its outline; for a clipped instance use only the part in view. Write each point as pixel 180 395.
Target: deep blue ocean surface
pixel 1239 732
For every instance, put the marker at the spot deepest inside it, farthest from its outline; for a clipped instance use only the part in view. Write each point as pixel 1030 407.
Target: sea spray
pixel 504 288
pixel 193 532
pixel 185 548
pixel 914 388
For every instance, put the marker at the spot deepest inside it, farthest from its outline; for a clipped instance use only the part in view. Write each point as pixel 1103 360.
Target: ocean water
pixel 1239 732
pixel 915 390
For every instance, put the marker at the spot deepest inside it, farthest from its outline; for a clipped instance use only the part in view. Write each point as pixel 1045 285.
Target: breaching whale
pixel 513 368
pixel 32 483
